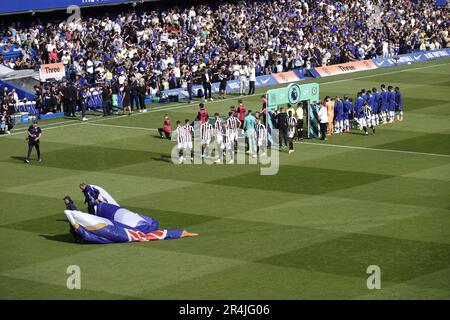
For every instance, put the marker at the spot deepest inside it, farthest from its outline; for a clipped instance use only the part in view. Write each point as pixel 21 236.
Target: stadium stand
pixel 170 47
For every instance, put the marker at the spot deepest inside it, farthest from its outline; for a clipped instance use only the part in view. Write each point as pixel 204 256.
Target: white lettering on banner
pixel 436 54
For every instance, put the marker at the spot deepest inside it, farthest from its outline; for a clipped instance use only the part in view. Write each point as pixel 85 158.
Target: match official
pixel 34 138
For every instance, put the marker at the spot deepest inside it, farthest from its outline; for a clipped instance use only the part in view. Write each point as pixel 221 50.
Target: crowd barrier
pixel 380 62
pixel 419 56
pixel 234 85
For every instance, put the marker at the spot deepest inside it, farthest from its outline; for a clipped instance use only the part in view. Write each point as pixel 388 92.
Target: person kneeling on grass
pixel 166 130
pixel 71 206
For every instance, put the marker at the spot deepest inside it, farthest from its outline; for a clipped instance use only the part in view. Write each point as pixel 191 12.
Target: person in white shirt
pixel 252 78
pixel 242 79
pixel 90 70
pixel 323 120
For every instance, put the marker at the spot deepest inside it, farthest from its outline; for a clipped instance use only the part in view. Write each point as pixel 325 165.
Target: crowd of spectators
pixel 170 48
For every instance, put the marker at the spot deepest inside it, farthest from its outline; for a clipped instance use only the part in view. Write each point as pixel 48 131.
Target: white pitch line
pixel 118 126
pixel 302 142
pixel 178 106
pixel 374 149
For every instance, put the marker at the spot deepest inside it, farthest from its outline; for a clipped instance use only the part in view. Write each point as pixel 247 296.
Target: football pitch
pixel 310 232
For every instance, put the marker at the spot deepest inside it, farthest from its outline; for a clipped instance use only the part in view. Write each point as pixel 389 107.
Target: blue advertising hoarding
pixel 419 56
pixel 12 6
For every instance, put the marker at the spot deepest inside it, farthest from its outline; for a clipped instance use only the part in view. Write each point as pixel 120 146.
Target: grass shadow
pixel 63 237
pixel 18 158
pixel 163 158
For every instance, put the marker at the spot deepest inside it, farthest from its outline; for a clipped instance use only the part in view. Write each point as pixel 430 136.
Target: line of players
pixel 239 128
pixel 370 109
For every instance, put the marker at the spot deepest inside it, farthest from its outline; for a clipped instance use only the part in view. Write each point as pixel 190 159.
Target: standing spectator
pixel 84 102
pixel 72 98
pixel 142 94
pixel 126 98
pixel 106 100
pixel 223 77
pixel 242 78
pixel 90 70
pixel 206 81
pixel 323 120
pixel 283 125
pixel 134 93
pixel 189 85
pixel 252 79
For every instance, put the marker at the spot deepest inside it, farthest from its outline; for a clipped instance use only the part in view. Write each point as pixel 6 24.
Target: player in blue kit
pixel 338 115
pixel 371 103
pixel 375 106
pixel 358 114
pixel 348 113
pixel 383 104
pixel 398 104
pixel 364 95
pixel 391 104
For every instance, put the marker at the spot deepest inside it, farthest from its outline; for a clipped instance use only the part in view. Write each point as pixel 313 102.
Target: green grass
pixel 309 232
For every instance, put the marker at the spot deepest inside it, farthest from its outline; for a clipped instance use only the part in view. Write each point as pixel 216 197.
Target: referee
pixel 34 138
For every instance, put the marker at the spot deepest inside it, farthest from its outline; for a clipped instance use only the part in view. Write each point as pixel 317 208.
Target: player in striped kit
pixel 292 125
pixel 218 125
pixel 224 140
pixel 206 131
pixel 179 131
pixel 233 124
pixel 366 121
pixel 261 137
pixel 188 133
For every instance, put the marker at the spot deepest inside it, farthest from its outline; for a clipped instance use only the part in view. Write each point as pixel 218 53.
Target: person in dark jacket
pixel 126 99
pixel 106 100
pixel 142 95
pixel 282 122
pixel 134 94
pixel 70 98
pixel 206 81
